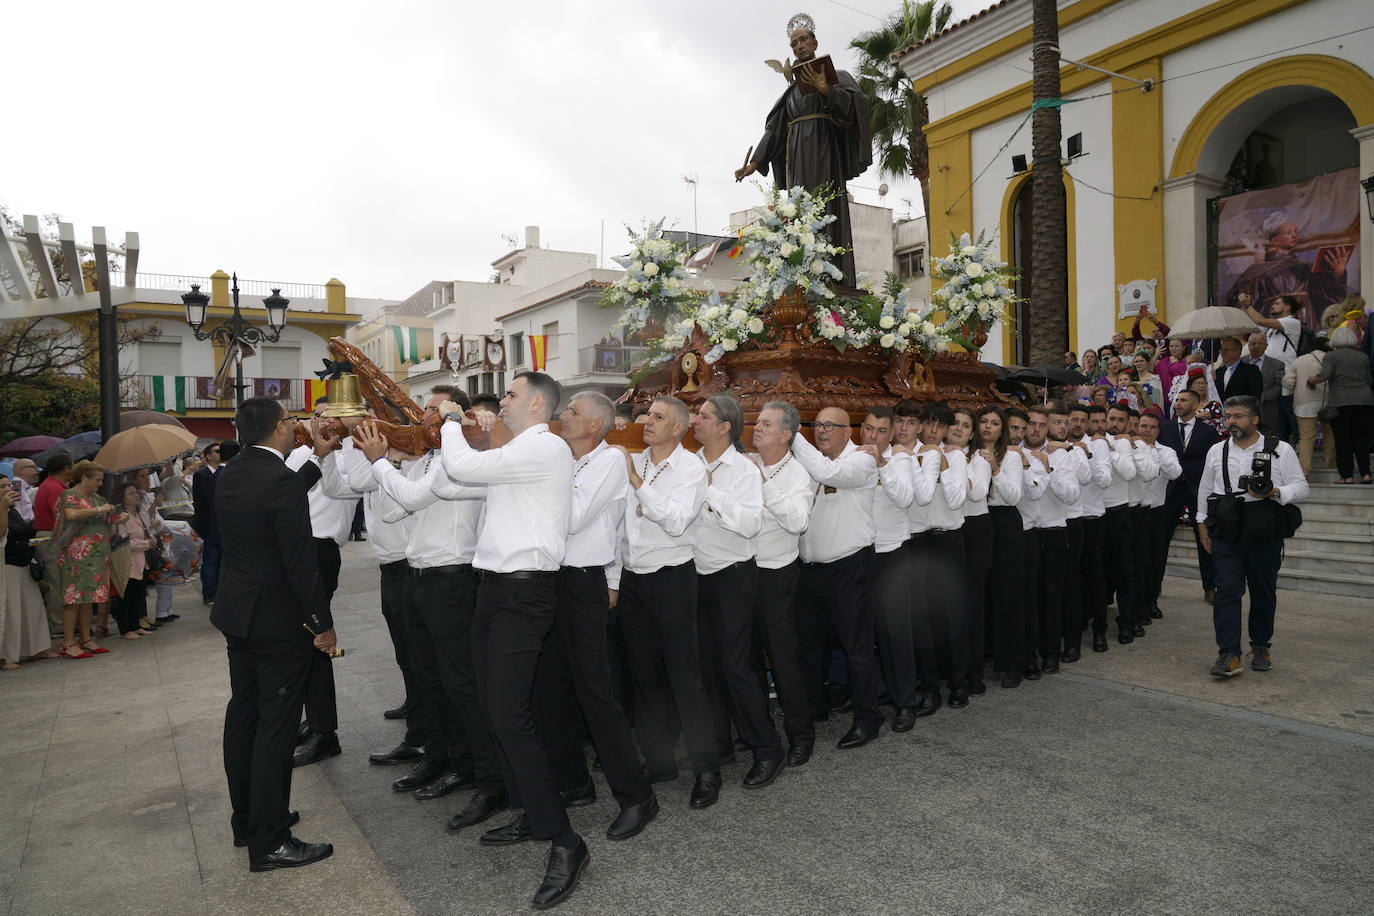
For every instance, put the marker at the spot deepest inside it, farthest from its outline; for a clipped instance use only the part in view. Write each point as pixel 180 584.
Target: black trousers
pixel 557 721
pixel 891 598
pixel 1183 495
pixel 1119 561
pixel 1030 599
pixel 1243 567
pixel 775 621
pixel 1092 588
pixel 725 625
pixel 1054 557
pixel 394 613
pixel 321 704
pixel 1353 429
pixel 512 621
pixel 1159 554
pixel 129 608
pixel 1140 548
pixel 267 680
pixel 1073 587
pixel 658 615
pixel 978 546
pixel 1007 619
pixel 939 609
pixel 835 595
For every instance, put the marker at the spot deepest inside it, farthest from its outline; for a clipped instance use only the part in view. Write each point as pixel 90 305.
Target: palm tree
pixel 896 113
pixel 1048 319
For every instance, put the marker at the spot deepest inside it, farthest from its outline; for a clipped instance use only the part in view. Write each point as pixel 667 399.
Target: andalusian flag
pixel 407 344
pixel 314 390
pixel 169 393
pixel 539 351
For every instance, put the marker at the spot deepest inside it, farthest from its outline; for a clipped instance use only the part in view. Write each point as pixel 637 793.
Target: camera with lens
pixel 1259 481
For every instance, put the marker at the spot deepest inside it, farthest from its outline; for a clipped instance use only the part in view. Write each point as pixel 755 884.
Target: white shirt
pixel 925 478
pixel 946 510
pixel 529 494
pixel 598 506
pixel 1034 481
pixel 1099 477
pixel 25 505
pixel 732 513
pixel 660 526
pixel 787 496
pixel 1083 476
pixel 447 515
pixel 1123 472
pixel 1284 349
pixel 1169 469
pixel 842 510
pixel 1285 471
pixel 348 467
pixel 1060 487
pixel 979 483
pixel 1146 470
pixel 894 495
pixel 1188 427
pixel 1007 482
pixel 331 510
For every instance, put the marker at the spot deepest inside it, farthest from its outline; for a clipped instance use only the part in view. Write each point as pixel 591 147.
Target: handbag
pixel 1326 413
pixel 153 558
pixel 37 571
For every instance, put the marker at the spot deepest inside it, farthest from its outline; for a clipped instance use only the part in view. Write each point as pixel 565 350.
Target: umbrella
pixel 1213 321
pixel 27 446
pixel 80 446
pixel 131 418
pixel 1047 375
pixel 145 447
pixel 1002 371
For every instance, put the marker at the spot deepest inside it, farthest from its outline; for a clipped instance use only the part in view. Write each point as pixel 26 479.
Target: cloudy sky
pixel 392 144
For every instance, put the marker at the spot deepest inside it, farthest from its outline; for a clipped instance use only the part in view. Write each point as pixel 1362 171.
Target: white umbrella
pixel 1213 321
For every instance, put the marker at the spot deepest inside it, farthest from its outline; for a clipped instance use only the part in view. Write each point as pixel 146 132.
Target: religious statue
pixel 1278 271
pixel 816 134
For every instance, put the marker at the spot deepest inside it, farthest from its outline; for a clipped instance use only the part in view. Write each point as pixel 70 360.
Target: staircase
pixel 1333 551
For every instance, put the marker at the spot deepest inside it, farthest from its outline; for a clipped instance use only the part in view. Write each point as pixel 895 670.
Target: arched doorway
pixel 1016 251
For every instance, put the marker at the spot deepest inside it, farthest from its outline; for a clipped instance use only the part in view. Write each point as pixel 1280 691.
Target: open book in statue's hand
pixel 816 65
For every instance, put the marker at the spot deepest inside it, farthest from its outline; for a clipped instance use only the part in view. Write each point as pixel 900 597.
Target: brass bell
pixel 345 397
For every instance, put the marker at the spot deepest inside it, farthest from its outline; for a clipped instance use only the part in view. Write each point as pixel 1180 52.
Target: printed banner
pixel 279 388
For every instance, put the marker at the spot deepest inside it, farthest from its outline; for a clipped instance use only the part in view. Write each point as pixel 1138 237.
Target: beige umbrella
pixel 1213 321
pixel 145 447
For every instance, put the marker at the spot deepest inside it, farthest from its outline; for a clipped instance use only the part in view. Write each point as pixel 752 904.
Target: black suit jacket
pixel 203 518
pixel 1194 457
pixel 269 577
pixel 1245 380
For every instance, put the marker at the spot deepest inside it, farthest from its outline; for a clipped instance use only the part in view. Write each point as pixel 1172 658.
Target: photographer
pixel 1247 485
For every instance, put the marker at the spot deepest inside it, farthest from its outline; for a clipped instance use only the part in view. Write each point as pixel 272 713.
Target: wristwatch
pixel 455 417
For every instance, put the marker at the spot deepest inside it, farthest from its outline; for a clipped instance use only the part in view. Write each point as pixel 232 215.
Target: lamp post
pixel 1368 185
pixel 236 331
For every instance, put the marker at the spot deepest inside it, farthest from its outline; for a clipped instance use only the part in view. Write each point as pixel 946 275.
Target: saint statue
pixel 1278 271
pixel 816 138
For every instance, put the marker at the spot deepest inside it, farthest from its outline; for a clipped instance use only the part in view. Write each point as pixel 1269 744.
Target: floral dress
pixel 83 552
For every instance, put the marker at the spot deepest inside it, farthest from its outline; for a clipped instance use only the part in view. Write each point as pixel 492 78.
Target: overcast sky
pixel 393 144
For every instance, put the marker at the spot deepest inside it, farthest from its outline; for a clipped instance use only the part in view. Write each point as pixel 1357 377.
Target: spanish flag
pixel 314 390
pixel 539 351
pixel 739 247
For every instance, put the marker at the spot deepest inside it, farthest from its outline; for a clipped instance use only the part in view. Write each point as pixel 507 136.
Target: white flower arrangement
pixel 727 325
pixel 653 287
pixel 787 248
pixel 977 289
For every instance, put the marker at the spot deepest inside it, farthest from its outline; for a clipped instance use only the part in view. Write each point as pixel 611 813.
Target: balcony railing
pixel 259 288
pixel 143 392
pixel 610 360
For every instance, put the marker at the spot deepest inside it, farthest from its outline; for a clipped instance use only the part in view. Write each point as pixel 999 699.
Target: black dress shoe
pixel 857 736
pixel 1137 630
pixel 1051 665
pixel 1155 612
pixel 581 796
pixel 1125 637
pixel 517 831
pixel 762 773
pixel 1032 672
pixel 958 697
pixel 401 753
pixel 480 807
pixel 303 733
pixel 400 712
pixel 560 877
pixel 1099 642
pixel 904 720
pixel 1011 681
pixel 1071 655
pixel 742 745
pixel 292 819
pixel 656 777
pixel 927 703
pixel 798 755
pixel 424 773
pixel 315 749
pixel 976 686
pixel 1145 620
pixel 706 789
pixel 292 854
pixel 633 819
pixel 451 781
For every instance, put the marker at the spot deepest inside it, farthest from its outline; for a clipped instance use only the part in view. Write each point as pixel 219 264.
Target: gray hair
pixel 600 405
pixel 791 417
pixel 678 410
pixel 1245 402
pixel 728 411
pixel 1343 337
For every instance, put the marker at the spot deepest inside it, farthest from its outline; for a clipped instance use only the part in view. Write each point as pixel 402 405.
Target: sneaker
pixel 1228 665
pixel 1259 659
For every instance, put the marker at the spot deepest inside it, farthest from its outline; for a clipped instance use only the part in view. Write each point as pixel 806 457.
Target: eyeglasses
pixel 828 427
pixel 289 419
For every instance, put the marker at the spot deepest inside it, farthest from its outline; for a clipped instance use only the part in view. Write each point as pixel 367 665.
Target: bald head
pixel 832 431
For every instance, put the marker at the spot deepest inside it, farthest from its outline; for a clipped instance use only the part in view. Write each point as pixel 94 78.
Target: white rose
pixel 928 328
pixel 989 289
pixel 904 329
pixel 886 322
pixel 636 266
pixel 632 286
pixel 808 238
pixel 738 315
pixel 756 325
pixel 787 209
pixel 886 341
pixel 712 313
pixel 787 249
pixel 650 269
pixel 729 343
pixel 968 251
pixel 974 270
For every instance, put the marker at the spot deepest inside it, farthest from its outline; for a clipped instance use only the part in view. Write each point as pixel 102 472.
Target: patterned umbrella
pixel 145 447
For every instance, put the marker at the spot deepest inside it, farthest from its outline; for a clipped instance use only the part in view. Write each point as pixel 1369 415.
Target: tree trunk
pixel 1048 316
pixel 920 153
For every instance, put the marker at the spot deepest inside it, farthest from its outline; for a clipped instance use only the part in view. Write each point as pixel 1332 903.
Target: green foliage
pixel 58 405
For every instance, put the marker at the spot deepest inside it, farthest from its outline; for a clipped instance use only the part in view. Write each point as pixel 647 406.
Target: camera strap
pixel 1226 465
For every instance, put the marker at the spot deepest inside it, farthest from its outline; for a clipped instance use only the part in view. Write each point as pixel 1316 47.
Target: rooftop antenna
pixel 691 179
pixel 510 240
pixel 907 201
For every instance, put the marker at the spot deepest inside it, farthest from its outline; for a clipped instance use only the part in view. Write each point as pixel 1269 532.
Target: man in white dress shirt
pixel 1048 520
pixel 787 496
pixel 1118 546
pixel 728 526
pixel 1156 495
pixel 1092 589
pixel 1146 470
pixel 658 600
pixel 836 552
pixel 523 539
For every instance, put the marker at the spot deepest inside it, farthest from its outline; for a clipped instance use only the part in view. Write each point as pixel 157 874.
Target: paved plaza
pixel 1132 783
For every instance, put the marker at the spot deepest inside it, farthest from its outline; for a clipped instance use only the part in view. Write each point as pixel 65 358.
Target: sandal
pixel 132 634
pixel 1346 480
pixel 8 666
pixel 73 651
pixel 102 633
pixel 91 647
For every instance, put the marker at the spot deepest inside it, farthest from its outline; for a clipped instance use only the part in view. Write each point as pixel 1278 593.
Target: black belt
pixel 422 571
pixel 394 564
pixel 326 541
pixel 738 564
pixel 486 574
pixel 1121 508
pixel 588 570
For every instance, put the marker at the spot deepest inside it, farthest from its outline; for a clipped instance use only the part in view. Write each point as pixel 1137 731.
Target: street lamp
pixel 236 331
pixel 1368 185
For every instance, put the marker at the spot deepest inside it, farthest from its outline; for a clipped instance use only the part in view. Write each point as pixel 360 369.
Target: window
pixel 911 263
pixel 159 358
pixel 517 350
pixel 281 362
pixel 472 385
pixel 488 382
pixel 551 340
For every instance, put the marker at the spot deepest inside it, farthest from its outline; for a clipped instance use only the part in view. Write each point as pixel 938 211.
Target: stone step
pixel 1341 494
pixel 1323 520
pixel 1336 547
pixel 1305 580
pixel 1336 505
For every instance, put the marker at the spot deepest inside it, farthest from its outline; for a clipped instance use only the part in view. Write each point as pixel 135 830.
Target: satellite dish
pixel 882 189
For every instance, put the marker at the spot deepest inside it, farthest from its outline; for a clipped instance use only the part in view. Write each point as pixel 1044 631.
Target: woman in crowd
pixel 1346 373
pixel 176 494
pixel 1092 366
pixel 130 566
pixel 978 538
pixel 1144 374
pixel 1332 316
pixel 1002 598
pixel 82 539
pixel 1171 364
pixel 23 621
pixel 1306 402
pixel 1202 383
pixel 149 509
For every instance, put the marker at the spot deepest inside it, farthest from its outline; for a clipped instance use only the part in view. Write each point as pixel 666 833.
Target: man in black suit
pixel 204 522
pixel 268 607
pixel 1190 438
pixel 1271 377
pixel 1235 376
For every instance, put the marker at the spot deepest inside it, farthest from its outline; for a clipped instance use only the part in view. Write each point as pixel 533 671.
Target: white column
pixel 1185 241
pixel 1365 136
